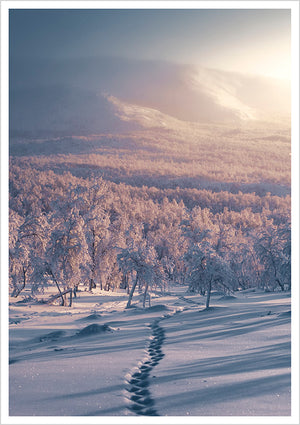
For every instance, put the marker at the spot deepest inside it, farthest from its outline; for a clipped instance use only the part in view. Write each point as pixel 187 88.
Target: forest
pixel 207 206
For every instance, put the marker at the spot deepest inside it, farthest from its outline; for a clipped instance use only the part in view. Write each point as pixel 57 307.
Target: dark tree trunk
pixel 70 303
pixel 124 282
pixel 60 293
pixel 280 284
pixel 17 291
pixel 208 294
pixel 145 296
pixel 92 284
pixel 132 291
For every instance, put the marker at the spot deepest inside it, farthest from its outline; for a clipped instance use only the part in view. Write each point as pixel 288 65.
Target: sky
pixel 241 40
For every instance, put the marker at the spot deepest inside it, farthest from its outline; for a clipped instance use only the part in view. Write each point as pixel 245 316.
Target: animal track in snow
pixel 141 402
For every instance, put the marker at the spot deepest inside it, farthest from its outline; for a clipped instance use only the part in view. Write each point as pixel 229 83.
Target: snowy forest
pixel 149 209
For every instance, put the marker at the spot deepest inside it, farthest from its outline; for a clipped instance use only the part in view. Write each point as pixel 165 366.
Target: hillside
pixel 58 98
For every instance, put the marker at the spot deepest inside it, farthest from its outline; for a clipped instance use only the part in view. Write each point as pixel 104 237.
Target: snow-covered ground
pixel 171 359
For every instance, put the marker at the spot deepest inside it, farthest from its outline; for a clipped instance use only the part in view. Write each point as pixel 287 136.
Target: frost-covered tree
pixel 98 241
pixel 273 247
pixel 246 265
pixel 170 244
pixel 66 252
pixel 26 251
pixel 208 270
pixel 207 259
pixel 249 232
pixel 140 260
pixel 91 203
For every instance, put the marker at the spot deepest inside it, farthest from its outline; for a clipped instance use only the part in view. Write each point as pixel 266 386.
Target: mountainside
pixel 61 110
pixel 84 97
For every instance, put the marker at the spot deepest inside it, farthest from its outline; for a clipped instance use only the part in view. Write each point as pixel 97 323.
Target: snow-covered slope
pixel 72 96
pixel 144 116
pixel 246 97
pixel 62 110
pixel 171 359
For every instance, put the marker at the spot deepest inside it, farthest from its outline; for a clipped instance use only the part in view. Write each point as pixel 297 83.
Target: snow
pixel 61 101
pixel 236 360
pixel 175 358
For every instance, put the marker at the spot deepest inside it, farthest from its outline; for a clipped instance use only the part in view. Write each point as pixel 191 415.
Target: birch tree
pixel 26 251
pixel 66 253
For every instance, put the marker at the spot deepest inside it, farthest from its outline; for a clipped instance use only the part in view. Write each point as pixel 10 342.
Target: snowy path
pixel 172 359
pixel 138 389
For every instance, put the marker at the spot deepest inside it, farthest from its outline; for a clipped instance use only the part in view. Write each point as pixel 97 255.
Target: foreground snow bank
pixel 232 359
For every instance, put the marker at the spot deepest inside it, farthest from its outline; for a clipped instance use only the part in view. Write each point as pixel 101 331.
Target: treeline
pixel 66 231
pixel 194 157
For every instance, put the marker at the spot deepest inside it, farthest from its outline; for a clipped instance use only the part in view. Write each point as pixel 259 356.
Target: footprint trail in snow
pixel 141 402
pixel 137 388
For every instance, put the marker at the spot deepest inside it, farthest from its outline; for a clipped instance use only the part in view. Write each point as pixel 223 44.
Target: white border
pixel 152 4
pixel 137 4
pixel 295 207
pixel 4 211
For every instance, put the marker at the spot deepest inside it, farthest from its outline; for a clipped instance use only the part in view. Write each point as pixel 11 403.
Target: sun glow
pixel 272 62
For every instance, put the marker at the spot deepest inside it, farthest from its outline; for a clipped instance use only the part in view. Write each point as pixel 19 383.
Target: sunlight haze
pixel 247 41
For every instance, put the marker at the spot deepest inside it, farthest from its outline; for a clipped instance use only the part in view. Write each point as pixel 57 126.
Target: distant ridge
pixel 86 96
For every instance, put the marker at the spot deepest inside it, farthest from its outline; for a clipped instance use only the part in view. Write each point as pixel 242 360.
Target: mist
pixel 67 96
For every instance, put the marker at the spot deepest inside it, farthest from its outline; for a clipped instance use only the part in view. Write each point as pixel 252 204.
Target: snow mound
pixel 17 321
pixel 217 293
pixel 94 316
pixel 227 298
pixel 246 291
pixel 26 299
pixel 157 308
pixel 153 309
pixel 285 314
pixel 52 336
pixel 93 329
pixel 212 309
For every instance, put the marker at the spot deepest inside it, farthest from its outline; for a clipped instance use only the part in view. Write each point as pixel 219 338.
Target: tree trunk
pixel 92 280
pixel 60 293
pixel 92 284
pixel 99 280
pixel 124 282
pixel 70 303
pixel 19 290
pixel 280 284
pixel 132 291
pixel 275 273
pixel 127 284
pixel 145 296
pixel 208 294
